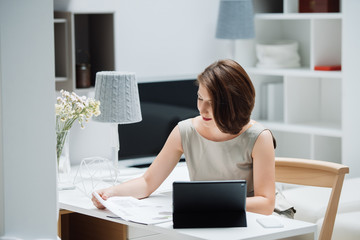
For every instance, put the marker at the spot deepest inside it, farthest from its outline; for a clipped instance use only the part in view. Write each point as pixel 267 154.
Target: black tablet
pixel 202 204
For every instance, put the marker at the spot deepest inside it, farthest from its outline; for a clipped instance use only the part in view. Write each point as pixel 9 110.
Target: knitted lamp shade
pixel 235 20
pixel 119 97
pixel 119 104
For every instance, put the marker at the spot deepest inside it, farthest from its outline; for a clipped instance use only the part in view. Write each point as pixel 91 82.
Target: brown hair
pixel 232 93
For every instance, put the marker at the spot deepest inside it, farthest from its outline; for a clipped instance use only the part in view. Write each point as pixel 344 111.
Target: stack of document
pixel 153 210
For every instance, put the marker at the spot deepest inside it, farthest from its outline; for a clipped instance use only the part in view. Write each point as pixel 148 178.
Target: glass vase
pixel 63 161
pixel 62 151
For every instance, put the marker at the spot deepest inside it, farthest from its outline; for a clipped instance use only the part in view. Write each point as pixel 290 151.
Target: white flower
pixel 71 107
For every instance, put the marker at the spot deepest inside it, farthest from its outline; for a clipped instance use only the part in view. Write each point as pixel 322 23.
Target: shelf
pixel 297 16
pixel 94 42
pixel 82 38
pixel 316 128
pixel 298 72
pixel 61 79
pixel 60 20
pixel 60 47
pixel 300 105
pixel 312 36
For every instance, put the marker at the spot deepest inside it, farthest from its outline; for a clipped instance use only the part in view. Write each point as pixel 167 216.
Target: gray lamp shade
pixel 235 20
pixel 119 97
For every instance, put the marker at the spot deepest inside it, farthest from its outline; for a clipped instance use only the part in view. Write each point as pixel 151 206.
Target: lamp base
pixel 113 177
pixel 244 52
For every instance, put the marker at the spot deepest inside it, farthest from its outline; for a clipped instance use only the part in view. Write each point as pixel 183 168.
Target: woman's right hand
pixel 142 187
pixel 104 194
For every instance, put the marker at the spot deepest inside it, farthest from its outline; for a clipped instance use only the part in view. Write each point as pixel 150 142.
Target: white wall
pixel 160 39
pixel 351 86
pixel 2 213
pixel 27 134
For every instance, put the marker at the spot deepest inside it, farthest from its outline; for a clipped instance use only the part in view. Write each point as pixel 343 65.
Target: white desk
pixel 77 201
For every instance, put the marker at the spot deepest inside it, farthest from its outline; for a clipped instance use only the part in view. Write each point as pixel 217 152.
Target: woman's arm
pixel 159 170
pixel 264 176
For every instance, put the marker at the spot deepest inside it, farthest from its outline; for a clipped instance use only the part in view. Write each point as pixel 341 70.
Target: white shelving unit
pixel 307 103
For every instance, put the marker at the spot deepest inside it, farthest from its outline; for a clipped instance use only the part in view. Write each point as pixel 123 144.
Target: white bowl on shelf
pixel 278 54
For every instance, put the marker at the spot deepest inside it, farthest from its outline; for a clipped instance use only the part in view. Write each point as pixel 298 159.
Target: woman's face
pixel 204 104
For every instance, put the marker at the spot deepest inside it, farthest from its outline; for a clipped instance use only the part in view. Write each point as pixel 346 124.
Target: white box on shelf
pixel 272 101
pixel 275 101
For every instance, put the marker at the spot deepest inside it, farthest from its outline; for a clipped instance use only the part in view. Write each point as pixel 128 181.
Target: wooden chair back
pixel 315 173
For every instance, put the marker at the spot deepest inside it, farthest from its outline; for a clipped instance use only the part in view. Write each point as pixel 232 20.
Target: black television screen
pixel 163 105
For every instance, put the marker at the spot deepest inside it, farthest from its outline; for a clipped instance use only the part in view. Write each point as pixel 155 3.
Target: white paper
pixel 270 222
pixel 139 211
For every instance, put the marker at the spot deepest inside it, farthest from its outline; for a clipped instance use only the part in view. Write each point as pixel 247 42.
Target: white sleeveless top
pixel 226 160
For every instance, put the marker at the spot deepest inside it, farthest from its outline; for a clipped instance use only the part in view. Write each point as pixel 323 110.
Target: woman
pixel 222 143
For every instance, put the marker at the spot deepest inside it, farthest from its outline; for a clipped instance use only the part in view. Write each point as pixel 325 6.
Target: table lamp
pixel 119 103
pixel 235 21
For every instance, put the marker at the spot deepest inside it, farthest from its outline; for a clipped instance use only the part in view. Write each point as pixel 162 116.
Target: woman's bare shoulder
pixel 264 143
